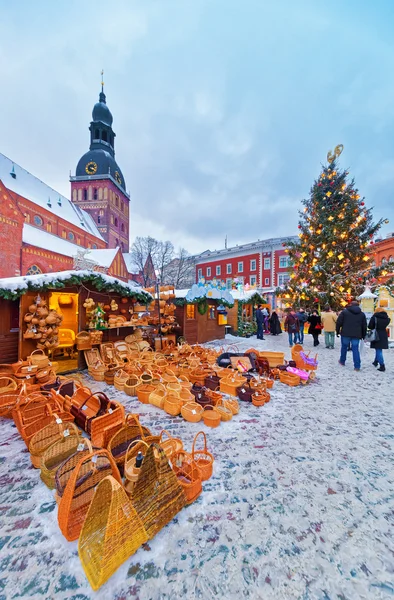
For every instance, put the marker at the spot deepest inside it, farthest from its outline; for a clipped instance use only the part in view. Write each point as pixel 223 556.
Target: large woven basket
pixel 79 492
pixel 172 404
pixel 120 379
pixel 65 470
pixel 157 496
pixel 131 431
pixel 157 397
pixel 171 445
pixel 289 378
pixel 131 384
pixel 111 533
pixel 226 414
pixel 144 391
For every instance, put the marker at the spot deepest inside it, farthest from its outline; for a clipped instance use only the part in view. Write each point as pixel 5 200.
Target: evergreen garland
pixel 98 282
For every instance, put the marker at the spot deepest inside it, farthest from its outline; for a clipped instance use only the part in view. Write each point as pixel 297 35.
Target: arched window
pixel 117 242
pixel 116 221
pixel 101 213
pixel 94 246
pixel 85 194
pixel 33 270
pixel 75 195
pixel 390 259
pixel 122 227
pixel 49 227
pixel 104 136
pixel 384 260
pixel 79 195
pixel 122 246
pixel 98 219
pixel 96 134
pixel 105 193
pixel 71 236
pixel 95 194
pixel 100 193
pixel 117 201
pixel 38 221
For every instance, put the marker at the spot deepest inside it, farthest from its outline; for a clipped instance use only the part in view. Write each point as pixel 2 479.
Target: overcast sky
pixel 224 110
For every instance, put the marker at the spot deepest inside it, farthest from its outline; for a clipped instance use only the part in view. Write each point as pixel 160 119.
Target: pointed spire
pixel 102 95
pixel 12 173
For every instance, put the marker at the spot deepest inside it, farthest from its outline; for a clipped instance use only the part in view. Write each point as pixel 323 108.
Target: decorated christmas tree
pixel 331 261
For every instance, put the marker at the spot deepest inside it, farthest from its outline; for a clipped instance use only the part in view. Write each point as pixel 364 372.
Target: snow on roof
pixel 30 187
pixel 104 257
pixel 47 241
pixel 14 284
pixel 131 266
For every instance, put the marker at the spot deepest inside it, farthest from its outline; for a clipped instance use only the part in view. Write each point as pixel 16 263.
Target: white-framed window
pixel 240 267
pixel 218 270
pixel 253 280
pixel 229 284
pixel 283 262
pixel 267 263
pixel 267 281
pixel 283 278
pixel 199 273
pixel 208 271
pixel 228 269
pixel 253 265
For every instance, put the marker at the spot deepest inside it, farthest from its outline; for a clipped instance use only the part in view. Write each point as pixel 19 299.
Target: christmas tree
pixel 331 261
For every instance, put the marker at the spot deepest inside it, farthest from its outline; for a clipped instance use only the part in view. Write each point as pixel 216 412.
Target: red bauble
pixel 316 300
pixel 332 183
pixel 299 226
pixel 371 236
pixel 319 184
pixel 362 203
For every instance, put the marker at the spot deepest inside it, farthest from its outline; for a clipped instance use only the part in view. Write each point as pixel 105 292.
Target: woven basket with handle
pixel 188 475
pixel 203 459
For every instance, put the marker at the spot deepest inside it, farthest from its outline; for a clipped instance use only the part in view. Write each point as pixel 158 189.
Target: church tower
pixel 98 186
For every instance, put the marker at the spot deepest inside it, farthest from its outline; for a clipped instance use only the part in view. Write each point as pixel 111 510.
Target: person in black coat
pixel 275 328
pixel 260 323
pixel 315 326
pixel 352 325
pixel 380 321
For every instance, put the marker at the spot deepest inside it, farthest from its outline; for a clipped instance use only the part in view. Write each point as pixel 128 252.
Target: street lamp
pixel 157 274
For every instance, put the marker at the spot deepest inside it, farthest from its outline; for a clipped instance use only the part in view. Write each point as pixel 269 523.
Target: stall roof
pixel 13 287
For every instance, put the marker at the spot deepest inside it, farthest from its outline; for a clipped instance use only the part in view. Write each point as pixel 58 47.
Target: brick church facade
pixel 42 231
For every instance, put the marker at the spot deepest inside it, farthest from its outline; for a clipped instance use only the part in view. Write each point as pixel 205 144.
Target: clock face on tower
pixel 91 168
pixel 118 177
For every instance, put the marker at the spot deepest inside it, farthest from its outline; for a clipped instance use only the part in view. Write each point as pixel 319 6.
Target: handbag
pixel 372 336
pixel 212 381
pixel 245 392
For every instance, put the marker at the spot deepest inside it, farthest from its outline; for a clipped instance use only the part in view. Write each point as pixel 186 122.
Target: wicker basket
pixel 289 378
pixel 131 431
pixel 188 475
pixel 226 414
pixel 131 472
pixel 144 391
pixel 96 336
pixel 260 397
pixel 120 379
pixel 203 459
pixel 211 416
pixel 192 412
pixel 172 404
pixel 274 358
pixel 232 404
pixel 229 385
pixel 47 436
pixel 83 340
pixel 39 358
pixel 79 492
pixel 111 533
pixel 157 496
pixel 171 444
pixel 55 455
pixel 7 385
pixel 65 470
pixel 131 384
pixel 157 397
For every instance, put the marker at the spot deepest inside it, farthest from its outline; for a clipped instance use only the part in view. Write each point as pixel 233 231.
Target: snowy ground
pixel 300 505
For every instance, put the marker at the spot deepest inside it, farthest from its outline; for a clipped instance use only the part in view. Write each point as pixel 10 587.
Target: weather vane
pixel 102 80
pixel 337 152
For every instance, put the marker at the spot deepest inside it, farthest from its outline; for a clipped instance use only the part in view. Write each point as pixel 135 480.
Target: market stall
pixel 49 311
pixel 201 312
pixel 241 315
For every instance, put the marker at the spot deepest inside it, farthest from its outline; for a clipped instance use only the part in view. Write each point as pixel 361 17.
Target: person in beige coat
pixel 329 319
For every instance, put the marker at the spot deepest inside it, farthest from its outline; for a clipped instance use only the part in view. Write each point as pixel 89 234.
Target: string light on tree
pixel 334 229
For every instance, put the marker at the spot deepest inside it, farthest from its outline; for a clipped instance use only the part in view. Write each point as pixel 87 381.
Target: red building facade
pixel 263 264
